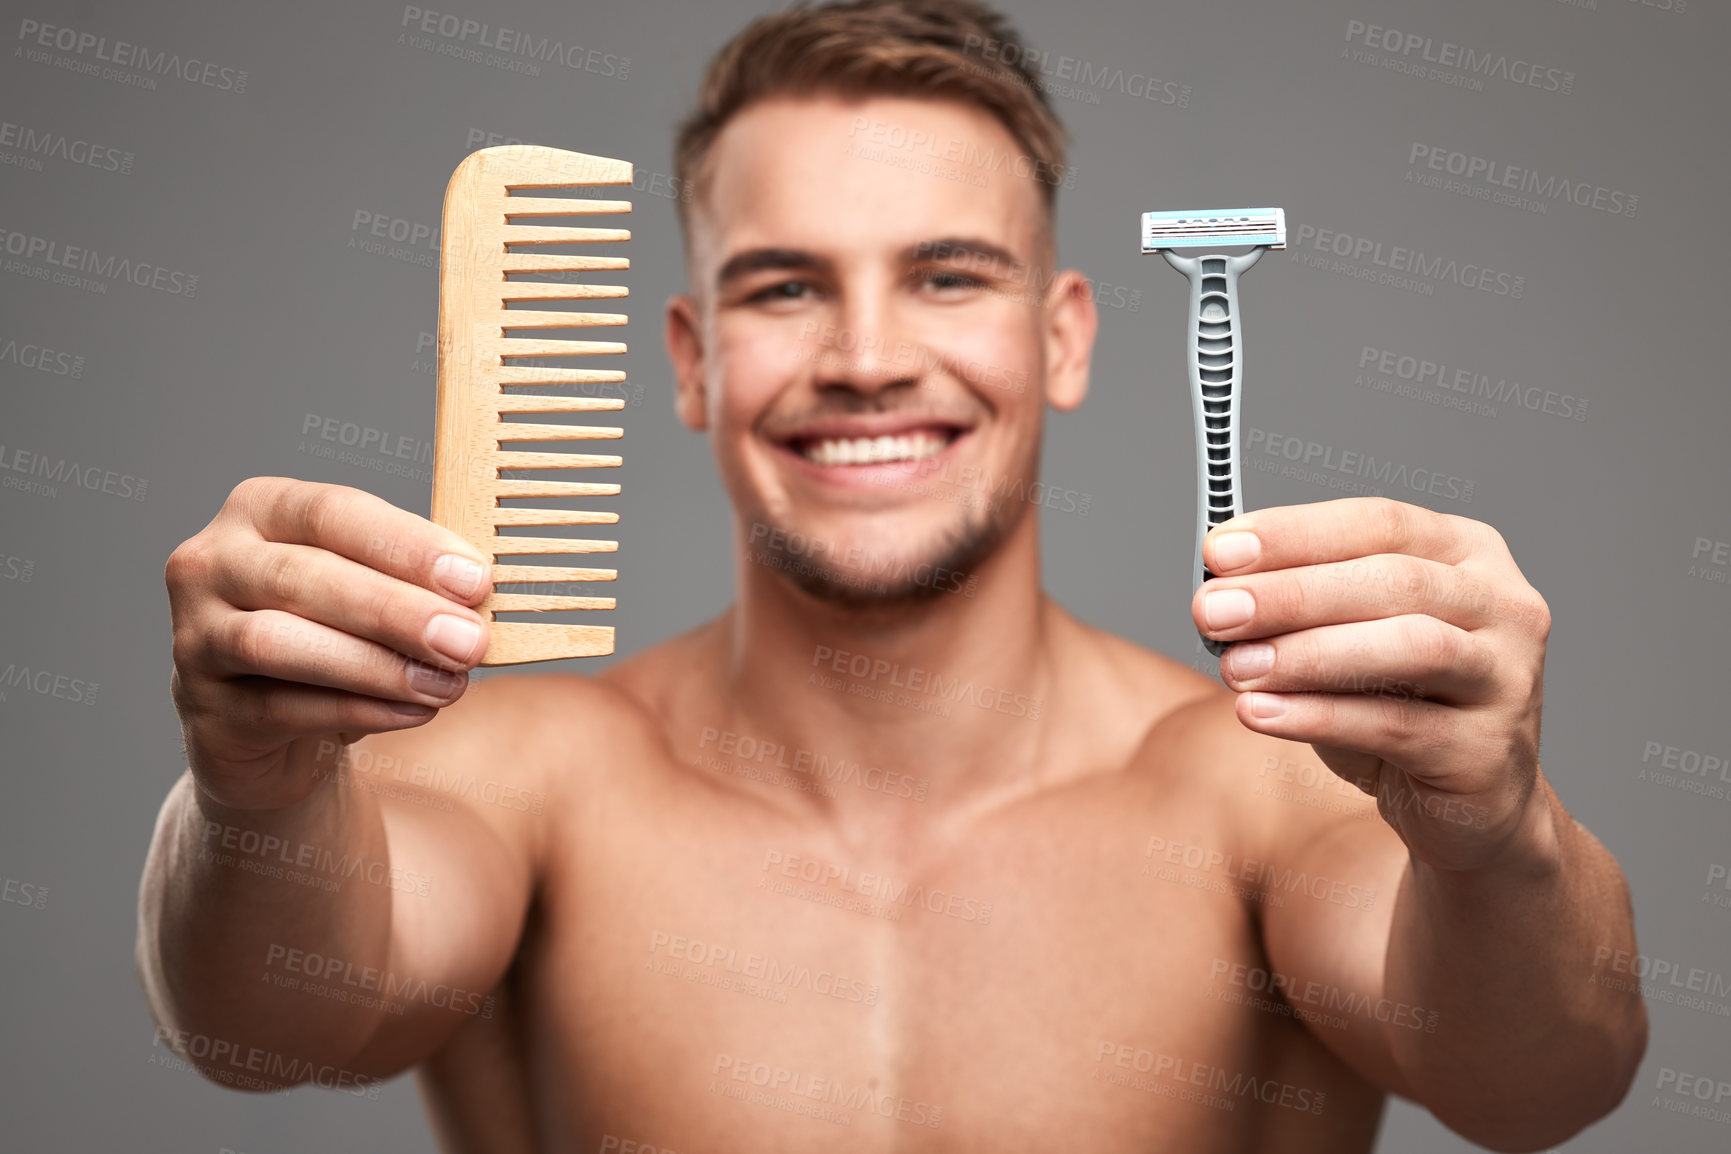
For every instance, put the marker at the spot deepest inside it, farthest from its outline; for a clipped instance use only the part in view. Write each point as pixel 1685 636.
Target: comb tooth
pixel 542 375
pixel 557 262
pixel 512 488
pixel 515 642
pixel 545 319
pixel 529 403
pixel 559 206
pixel 546 574
pixel 516 516
pixel 543 602
pixel 551 489
pixel 505 546
pixel 512 460
pixel 526 431
pixel 539 290
pixel 526 347
pixel 555 234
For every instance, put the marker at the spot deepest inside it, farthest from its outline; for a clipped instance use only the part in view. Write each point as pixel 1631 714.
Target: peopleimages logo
pixel 235 1064
pixel 933 684
pixel 1088 79
pixel 811 763
pixel 1265 875
pixel 795 1091
pixel 512 42
pixel 1712 1095
pixel 1717 568
pixel 974 159
pixel 34 36
pixel 48 472
pixel 1419 371
pixel 1401 266
pixel 46 683
pixel 1352 463
pixel 1494 176
pixel 27 355
pixel 1159 1065
pixel 1663 980
pixel 1417 49
pixel 341 980
pixel 34 145
pixel 774 974
pixel 894 893
pixel 25 894
pixel 82 259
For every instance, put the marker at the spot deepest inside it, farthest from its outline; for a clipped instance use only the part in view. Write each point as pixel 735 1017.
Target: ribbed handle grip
pixel 1216 353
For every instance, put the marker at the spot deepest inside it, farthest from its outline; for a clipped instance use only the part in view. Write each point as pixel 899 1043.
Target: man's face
pixel 874 333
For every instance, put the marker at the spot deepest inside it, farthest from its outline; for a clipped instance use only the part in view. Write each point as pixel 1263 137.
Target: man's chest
pixel 730 982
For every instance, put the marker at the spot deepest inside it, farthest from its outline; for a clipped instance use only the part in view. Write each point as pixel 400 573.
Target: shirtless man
pixel 895 853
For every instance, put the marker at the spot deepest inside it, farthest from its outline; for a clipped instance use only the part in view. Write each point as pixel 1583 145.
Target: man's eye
pixel 946 279
pixel 787 290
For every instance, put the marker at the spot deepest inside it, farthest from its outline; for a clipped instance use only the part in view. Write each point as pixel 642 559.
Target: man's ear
pixel 1071 321
pixel 684 333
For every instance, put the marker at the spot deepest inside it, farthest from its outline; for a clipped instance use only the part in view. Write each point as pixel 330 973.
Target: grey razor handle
pixel 1216 371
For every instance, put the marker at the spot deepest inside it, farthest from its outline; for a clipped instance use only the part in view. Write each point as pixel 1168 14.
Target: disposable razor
pixel 1193 243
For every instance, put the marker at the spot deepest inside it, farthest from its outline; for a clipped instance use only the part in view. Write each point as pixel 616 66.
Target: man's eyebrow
pixel 962 248
pixel 757 259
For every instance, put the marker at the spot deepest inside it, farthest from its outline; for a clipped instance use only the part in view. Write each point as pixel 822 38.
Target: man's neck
pixel 953 689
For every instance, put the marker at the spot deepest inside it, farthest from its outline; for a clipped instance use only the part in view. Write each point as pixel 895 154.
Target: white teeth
pixel 875 450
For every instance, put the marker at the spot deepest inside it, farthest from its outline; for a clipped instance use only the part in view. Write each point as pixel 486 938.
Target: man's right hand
pixel 307 611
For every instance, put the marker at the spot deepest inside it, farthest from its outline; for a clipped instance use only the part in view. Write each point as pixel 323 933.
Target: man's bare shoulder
pixel 570 731
pixel 666 675
pixel 1115 686
pixel 518 714
pixel 1267 792
pixel 514 742
pixel 1188 771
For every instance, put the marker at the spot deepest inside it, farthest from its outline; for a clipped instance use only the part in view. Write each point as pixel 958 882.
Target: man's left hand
pixel 1404 645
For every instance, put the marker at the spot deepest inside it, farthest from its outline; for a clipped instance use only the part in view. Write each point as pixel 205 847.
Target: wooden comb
pixel 470 451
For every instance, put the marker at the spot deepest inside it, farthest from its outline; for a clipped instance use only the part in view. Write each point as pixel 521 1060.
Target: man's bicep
pixel 462 813
pixel 1332 887
pixel 1325 869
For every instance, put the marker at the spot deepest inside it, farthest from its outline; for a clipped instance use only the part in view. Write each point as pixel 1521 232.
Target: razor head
pixel 1213 228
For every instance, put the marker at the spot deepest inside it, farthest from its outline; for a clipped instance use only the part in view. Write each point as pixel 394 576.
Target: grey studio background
pixel 1590 425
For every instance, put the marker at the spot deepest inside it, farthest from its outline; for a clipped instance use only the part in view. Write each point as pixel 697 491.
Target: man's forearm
pixel 231 899
pixel 1529 1048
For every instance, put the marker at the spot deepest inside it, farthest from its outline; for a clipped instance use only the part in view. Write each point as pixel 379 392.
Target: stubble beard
pixel 888 583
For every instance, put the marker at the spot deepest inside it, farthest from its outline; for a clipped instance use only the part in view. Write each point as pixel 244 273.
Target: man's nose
pixel 872 349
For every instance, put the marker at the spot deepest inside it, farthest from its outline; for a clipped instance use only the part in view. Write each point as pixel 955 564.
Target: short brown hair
pixel 956 49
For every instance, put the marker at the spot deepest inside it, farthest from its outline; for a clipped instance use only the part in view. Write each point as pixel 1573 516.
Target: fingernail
pixel 435 683
pixel 1227 608
pixel 1244 661
pixel 1267 705
pixel 1235 550
pixel 453 637
pixel 458 574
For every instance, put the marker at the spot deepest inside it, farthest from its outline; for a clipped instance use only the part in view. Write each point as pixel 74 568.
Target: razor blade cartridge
pixel 1215 228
